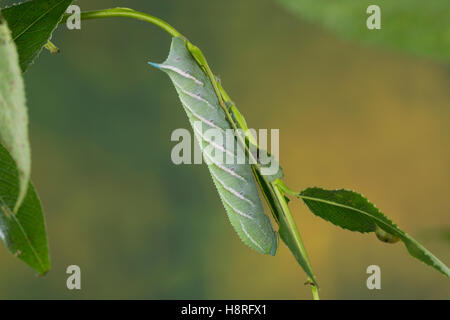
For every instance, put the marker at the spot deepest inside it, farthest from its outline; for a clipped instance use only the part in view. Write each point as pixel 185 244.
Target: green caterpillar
pixel 234 181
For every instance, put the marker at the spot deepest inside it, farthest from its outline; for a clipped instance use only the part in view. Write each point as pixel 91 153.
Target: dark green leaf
pixel 24 232
pixel 352 211
pixel 13 111
pixel 32 24
pixel 415 26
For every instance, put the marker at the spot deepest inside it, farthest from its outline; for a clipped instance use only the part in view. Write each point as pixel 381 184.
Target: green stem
pixel 128 13
pixel 315 292
pixel 287 190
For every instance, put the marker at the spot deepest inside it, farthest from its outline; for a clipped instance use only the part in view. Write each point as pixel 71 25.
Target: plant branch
pixel 276 187
pixel 315 292
pixel 128 13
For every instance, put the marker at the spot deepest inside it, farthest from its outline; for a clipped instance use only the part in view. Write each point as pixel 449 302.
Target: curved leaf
pixel 234 182
pixel 32 24
pixel 13 111
pixel 24 232
pixel 352 211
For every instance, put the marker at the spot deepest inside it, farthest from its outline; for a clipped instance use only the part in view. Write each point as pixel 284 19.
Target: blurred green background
pixel 367 119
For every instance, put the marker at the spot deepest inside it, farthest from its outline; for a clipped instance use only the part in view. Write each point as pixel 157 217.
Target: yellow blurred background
pixel 140 227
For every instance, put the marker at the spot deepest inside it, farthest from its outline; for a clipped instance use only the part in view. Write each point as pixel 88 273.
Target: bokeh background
pixel 140 227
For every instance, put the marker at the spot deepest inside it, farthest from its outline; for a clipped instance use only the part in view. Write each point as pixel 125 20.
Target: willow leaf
pixel 234 182
pixel 13 111
pixel 32 24
pixel 352 211
pixel 24 232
